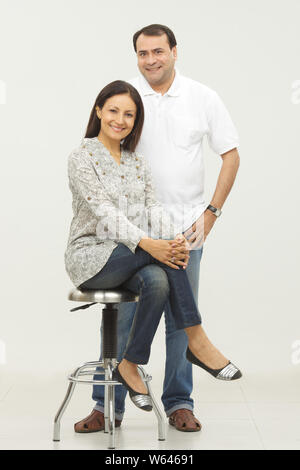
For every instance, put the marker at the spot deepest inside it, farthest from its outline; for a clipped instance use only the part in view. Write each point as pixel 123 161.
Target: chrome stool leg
pixel 160 419
pixel 111 410
pixel 106 411
pixel 110 364
pixel 71 387
pixel 109 354
pixel 56 429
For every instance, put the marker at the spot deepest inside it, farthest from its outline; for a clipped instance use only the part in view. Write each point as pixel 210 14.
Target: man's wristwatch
pixel 213 209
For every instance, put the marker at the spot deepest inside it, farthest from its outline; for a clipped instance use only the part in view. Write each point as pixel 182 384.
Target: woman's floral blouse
pixel 111 204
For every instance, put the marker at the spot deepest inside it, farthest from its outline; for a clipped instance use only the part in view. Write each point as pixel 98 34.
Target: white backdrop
pixel 55 58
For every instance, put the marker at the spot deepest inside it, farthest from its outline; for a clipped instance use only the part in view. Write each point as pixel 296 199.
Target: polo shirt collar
pixel 172 91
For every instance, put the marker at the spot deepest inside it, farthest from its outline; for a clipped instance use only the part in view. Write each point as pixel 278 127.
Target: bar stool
pixel 111 299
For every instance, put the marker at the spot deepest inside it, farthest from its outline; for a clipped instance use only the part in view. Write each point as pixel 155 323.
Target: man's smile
pixel 153 69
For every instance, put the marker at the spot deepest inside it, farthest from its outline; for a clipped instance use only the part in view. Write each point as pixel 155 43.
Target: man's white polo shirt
pixel 171 141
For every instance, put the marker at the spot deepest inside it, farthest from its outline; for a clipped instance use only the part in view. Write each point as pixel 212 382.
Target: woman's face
pixel 117 117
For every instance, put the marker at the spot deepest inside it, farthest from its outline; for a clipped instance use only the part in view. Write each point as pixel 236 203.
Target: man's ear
pixel 174 51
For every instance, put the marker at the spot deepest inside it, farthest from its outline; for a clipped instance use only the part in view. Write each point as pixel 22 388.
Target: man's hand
pixel 197 233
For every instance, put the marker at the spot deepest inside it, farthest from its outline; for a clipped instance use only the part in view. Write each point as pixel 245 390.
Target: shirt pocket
pixel 185 131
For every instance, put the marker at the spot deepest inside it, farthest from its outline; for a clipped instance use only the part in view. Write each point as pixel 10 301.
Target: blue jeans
pixel 142 270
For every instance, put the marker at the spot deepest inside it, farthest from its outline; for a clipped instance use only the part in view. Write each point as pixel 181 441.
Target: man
pixel 179 112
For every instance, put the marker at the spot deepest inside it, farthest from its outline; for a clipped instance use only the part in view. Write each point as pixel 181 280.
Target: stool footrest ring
pixel 93 382
pixel 92 371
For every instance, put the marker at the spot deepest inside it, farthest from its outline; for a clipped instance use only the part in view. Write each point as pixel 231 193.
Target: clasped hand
pixel 173 253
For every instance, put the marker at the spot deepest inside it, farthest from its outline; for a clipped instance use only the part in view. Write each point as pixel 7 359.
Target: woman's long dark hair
pixel 118 87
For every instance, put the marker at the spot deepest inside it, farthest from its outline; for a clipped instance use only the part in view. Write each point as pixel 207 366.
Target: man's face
pixel 156 60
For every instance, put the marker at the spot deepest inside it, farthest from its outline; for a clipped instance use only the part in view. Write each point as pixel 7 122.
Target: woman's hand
pixel 181 248
pixel 173 253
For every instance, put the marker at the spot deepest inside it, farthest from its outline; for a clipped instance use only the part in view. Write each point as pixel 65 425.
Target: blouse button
pixel 138 177
pixel 88 198
pixel 104 173
pixel 122 163
pixel 137 167
pixel 126 195
pixel 97 163
pixel 122 176
pixel 136 158
pixel 91 154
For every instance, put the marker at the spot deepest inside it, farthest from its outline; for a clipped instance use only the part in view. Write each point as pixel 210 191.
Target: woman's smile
pixel 117 128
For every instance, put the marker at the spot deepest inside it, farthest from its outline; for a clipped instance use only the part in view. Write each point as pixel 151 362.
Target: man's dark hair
pixel 118 87
pixel 156 30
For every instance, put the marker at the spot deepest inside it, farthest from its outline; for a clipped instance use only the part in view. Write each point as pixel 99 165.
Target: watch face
pixel 213 209
pixel 216 211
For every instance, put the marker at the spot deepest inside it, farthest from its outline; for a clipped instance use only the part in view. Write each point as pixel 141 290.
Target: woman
pixel 109 245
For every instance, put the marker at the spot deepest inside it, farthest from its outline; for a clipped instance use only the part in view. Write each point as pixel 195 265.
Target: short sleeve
pixel 222 133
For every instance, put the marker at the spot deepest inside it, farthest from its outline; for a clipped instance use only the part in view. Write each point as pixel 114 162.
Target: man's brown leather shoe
pixel 94 422
pixel 184 420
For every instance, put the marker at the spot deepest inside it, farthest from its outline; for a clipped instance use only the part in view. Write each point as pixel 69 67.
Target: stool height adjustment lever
pixel 82 307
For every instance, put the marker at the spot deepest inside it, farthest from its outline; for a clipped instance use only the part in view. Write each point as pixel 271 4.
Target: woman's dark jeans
pixel 155 282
